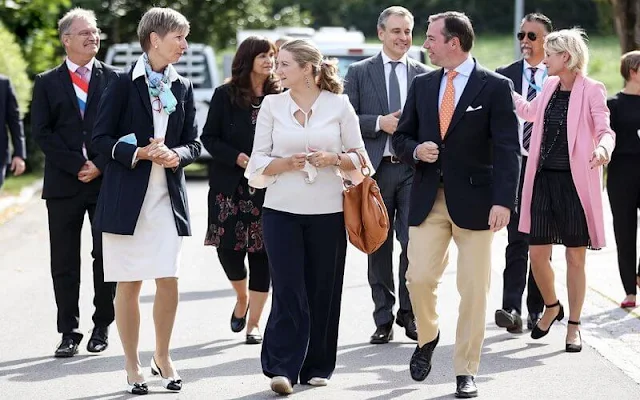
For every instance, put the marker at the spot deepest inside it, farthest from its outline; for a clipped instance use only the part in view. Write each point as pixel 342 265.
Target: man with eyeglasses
pixel 64 106
pixel 528 75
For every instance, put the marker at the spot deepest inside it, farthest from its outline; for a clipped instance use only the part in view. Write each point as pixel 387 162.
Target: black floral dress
pixel 235 222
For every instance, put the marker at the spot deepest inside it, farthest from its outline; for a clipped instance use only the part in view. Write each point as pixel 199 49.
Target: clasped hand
pixel 156 151
pixel 427 152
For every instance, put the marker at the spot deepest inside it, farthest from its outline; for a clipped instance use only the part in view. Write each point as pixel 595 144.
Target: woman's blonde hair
pixel 573 42
pixel 325 71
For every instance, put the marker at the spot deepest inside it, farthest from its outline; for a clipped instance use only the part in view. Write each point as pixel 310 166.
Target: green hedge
pixel 14 66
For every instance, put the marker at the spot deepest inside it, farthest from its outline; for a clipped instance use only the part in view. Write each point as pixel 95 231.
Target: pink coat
pixel 587 127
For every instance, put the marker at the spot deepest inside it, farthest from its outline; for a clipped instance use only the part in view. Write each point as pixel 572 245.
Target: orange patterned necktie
pixel 448 105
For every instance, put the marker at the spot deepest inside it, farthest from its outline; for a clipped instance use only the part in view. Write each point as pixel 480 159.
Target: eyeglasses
pixel 87 33
pixel 531 35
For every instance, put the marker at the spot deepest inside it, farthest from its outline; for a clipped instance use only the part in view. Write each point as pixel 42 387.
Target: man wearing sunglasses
pixel 528 75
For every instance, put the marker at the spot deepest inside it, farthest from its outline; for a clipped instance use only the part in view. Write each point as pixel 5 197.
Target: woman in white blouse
pixel 299 156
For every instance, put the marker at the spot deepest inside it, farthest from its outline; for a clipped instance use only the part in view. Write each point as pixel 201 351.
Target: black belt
pixel 391 159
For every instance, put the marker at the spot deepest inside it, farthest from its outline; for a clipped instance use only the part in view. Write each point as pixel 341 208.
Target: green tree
pixel 34 22
pixel 212 21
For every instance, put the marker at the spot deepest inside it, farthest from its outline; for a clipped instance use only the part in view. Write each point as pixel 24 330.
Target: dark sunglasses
pixel 531 35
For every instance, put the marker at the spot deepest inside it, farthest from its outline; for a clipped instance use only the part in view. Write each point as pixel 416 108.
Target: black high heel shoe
pixel 574 348
pixel 169 383
pixel 238 324
pixel 536 332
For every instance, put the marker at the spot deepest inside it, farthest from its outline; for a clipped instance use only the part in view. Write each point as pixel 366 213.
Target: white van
pixel 198 65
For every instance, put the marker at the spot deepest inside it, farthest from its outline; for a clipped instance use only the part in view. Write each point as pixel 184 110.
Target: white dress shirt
pixel 73 66
pixel 539 81
pixel 459 82
pixel 402 72
pixel 331 125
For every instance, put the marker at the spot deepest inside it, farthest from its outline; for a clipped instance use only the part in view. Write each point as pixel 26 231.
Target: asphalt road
pixel 215 364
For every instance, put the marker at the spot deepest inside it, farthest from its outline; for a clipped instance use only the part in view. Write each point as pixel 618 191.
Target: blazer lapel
pixel 376 72
pixel 515 74
pixel 67 85
pixel 176 89
pixel 96 82
pixel 476 82
pixel 575 111
pixel 143 91
pixel 412 71
pixel 433 90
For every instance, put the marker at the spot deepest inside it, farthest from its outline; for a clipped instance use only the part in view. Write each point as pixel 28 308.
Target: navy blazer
pixel 479 158
pixel 61 131
pixel 10 117
pixel 125 108
pixel 513 71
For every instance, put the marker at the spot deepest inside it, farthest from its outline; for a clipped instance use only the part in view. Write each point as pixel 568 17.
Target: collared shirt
pixel 464 71
pixel 402 72
pixel 73 66
pixel 538 80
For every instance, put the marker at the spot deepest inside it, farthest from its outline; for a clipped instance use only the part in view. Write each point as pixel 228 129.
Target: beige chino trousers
pixel 428 256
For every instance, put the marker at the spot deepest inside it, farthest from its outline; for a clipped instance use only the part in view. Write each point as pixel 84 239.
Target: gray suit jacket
pixel 367 90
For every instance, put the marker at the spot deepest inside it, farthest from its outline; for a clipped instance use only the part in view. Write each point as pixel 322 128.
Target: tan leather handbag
pixel 365 214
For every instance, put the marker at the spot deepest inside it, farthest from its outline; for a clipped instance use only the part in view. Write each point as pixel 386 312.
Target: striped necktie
pixel 528 126
pixel 80 79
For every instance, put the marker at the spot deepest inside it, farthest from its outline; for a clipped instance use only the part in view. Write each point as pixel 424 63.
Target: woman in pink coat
pixel 561 194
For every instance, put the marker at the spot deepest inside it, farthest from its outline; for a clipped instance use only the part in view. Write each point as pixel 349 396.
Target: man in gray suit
pixel 377 88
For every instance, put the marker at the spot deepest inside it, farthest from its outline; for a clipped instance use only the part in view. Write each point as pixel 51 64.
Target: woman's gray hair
pixel 573 42
pixel 161 21
pixel 393 10
pixel 64 24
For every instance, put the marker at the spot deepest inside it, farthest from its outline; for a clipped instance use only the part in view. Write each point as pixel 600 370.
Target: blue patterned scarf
pixel 160 86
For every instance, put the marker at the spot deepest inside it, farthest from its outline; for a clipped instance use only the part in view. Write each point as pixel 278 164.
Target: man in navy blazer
pixel 370 86
pixel 10 117
pixel 62 116
pixel 460 130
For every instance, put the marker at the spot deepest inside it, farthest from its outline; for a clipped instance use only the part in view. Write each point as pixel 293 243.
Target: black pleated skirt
pixel 557 216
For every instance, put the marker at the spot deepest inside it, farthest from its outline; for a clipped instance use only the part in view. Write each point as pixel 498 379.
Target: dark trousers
pixel 233 264
pixel 517 260
pixel 3 173
pixel 66 217
pixel 623 186
pixel 394 180
pixel 306 255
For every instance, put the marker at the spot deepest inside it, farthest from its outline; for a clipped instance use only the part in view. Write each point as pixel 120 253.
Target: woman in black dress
pixel 235 209
pixel 623 177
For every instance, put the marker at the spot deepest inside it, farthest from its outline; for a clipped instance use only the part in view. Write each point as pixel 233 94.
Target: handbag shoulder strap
pixel 364 167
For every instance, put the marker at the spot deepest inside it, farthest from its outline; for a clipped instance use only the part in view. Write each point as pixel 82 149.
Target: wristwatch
pixel 339 161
